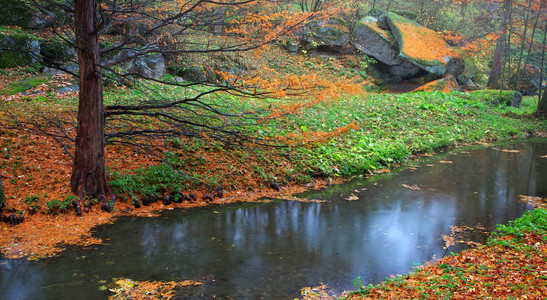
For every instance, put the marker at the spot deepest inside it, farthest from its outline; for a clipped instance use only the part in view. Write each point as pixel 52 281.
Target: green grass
pixel 534 221
pixel 22 86
pixel 393 127
pixel 390 129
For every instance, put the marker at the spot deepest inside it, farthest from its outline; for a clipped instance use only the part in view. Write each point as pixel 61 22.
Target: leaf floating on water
pixel 352 197
pixel 445 161
pixel 129 289
pixel 413 187
pixel 304 200
pixel 510 151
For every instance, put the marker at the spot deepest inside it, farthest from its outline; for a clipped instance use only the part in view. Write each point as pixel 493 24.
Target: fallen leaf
pixel 413 187
pixel 352 197
pixel 445 161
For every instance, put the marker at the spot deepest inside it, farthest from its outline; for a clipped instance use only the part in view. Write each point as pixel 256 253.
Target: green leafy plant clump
pixel 390 128
pixel 534 221
pixel 56 206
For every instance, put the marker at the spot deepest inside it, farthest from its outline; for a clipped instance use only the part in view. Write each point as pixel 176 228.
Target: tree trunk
pixel 2 196
pixel 497 62
pixel 528 12
pixel 542 104
pixel 541 110
pixel 89 170
pixel 219 19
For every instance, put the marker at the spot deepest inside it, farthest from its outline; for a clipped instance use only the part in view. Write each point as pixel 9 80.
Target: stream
pixel 371 227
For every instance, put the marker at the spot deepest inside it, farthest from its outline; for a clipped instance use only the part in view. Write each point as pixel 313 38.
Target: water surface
pixel 272 250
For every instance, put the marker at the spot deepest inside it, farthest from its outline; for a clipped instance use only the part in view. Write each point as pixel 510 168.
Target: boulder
pixel 446 84
pixel 394 73
pixel 517 99
pixel 189 73
pixel 14 12
pixel 423 47
pixel 18 49
pixel 374 41
pixel 56 52
pixel 331 33
pixel 148 66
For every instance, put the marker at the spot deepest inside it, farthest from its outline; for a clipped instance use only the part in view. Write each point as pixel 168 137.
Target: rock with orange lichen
pixel 374 41
pixel 445 85
pixel 423 47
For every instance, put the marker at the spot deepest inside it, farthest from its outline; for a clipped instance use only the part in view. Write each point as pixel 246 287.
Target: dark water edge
pixel 271 251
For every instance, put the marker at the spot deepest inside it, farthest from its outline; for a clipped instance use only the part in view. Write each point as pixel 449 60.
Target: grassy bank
pixel 339 139
pixel 510 266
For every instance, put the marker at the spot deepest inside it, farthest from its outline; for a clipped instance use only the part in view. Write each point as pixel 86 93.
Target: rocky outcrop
pixel 14 12
pixel 374 41
pixel 394 73
pixel 18 49
pixel 423 47
pixel 329 34
pixel 147 66
pixel 56 52
pixel 404 49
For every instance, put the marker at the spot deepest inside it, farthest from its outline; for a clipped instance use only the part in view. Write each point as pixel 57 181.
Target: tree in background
pixel 499 54
pixel 123 31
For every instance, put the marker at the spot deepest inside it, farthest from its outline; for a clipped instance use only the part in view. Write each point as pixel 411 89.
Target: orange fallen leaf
pixel 413 187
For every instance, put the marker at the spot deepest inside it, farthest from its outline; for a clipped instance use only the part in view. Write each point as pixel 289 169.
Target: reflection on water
pixel 272 250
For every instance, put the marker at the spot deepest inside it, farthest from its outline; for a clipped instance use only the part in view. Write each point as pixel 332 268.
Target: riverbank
pixel 327 140
pixel 512 265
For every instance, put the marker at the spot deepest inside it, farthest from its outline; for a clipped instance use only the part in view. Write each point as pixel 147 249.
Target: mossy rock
pixel 14 12
pixel 56 52
pixel 332 32
pixel 421 45
pixel 190 73
pixel 18 49
pixel 374 41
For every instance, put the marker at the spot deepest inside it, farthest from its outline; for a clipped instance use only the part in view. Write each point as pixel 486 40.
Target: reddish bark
pixel 89 170
pixel 2 197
